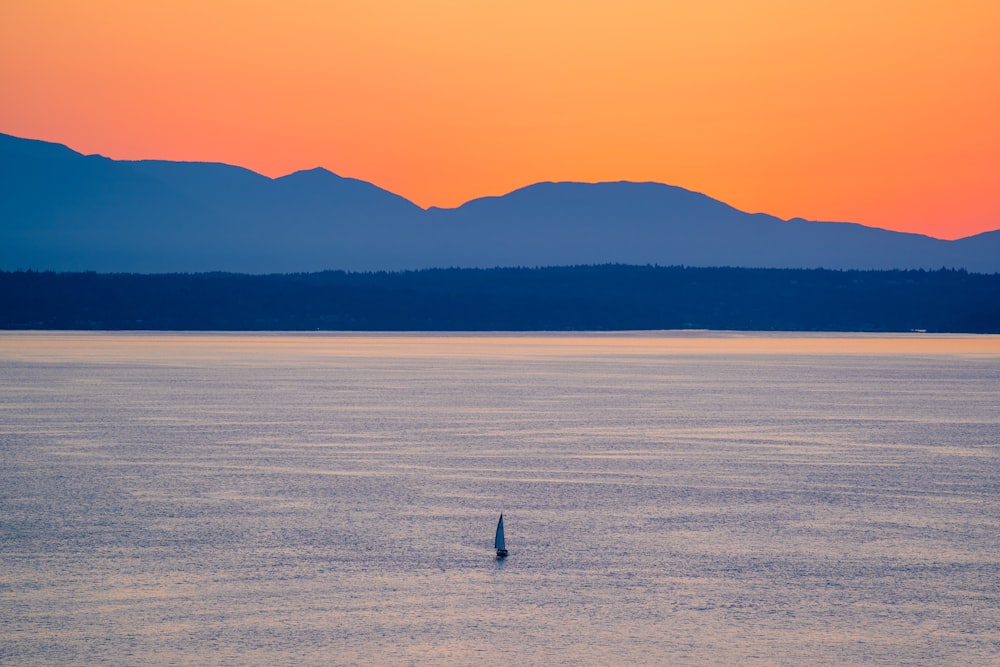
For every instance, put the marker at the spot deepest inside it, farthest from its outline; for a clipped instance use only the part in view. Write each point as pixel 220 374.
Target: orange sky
pixel 882 112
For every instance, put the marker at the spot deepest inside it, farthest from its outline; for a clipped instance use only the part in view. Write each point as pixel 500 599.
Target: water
pixel 683 499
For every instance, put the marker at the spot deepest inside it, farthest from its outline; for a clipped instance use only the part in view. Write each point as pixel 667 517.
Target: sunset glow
pixel 879 113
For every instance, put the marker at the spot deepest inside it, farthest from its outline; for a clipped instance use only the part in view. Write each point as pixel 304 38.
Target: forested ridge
pixel 574 298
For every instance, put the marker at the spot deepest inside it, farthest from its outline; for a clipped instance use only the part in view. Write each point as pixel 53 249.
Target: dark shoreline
pixel 574 298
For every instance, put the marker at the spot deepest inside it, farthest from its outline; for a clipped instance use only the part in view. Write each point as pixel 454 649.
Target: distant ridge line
pixel 65 211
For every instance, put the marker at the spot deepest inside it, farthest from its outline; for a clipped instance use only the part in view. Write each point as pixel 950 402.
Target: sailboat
pixel 499 543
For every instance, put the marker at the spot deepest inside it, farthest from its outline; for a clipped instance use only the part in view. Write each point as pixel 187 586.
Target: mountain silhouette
pixel 65 211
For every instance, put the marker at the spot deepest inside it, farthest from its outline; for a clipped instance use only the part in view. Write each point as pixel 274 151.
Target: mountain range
pixel 64 211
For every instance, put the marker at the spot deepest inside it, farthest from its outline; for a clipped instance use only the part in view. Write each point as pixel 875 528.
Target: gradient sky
pixel 882 112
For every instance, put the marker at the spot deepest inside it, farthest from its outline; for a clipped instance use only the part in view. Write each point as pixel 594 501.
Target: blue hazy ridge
pixel 64 211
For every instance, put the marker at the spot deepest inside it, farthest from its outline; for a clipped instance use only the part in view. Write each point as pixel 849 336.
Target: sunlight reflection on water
pixel 676 498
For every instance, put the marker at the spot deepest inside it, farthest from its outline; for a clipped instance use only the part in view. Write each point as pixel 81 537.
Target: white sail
pixel 499 544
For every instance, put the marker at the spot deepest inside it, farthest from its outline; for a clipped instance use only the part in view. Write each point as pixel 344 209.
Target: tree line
pixel 574 298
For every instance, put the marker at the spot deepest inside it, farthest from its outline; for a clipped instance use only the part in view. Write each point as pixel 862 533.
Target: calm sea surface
pixel 669 499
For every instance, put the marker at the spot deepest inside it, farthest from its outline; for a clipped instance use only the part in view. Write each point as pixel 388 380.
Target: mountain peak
pixel 315 172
